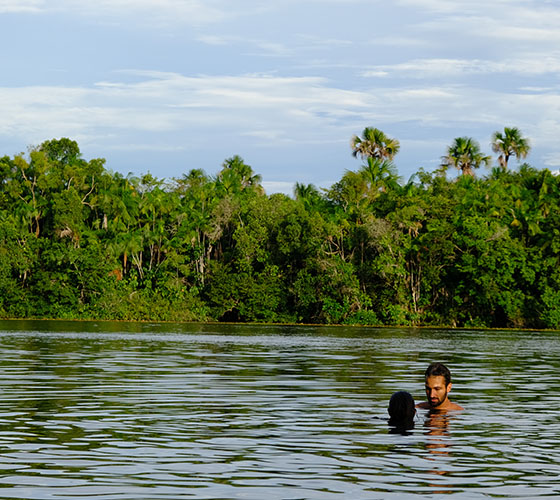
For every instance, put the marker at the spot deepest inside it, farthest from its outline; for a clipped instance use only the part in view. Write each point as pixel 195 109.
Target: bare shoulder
pixel 454 406
pixel 447 407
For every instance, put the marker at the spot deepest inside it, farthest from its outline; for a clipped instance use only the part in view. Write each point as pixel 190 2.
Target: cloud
pixel 169 112
pixel 20 6
pixel 402 41
pixel 501 28
pixel 250 45
pixel 505 8
pixel 278 187
pixel 317 42
pixel 532 22
pixel 269 135
pixel 456 68
pixel 286 109
pixel 552 160
pixel 258 106
pixel 218 40
pixel 262 46
pixel 538 90
pixel 191 12
pixel 375 73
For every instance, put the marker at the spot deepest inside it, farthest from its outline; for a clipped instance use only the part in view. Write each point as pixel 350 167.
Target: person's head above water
pixel 402 410
pixel 437 370
pixel 438 385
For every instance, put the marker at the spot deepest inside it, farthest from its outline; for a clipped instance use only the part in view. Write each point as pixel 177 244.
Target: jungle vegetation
pixel 472 250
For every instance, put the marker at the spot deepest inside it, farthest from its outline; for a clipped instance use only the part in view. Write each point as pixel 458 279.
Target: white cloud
pixel 306 110
pixel 154 147
pixel 191 12
pixel 402 41
pixel 218 40
pixel 552 160
pixel 262 107
pixel 540 90
pixel 269 135
pixel 260 46
pixel 278 187
pixel 25 6
pixel 546 130
pixel 450 68
pixel 463 7
pixel 441 6
pixel 527 34
pixel 314 41
pixel 500 28
pixel 375 73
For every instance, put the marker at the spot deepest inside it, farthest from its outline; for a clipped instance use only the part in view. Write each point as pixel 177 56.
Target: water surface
pixel 150 411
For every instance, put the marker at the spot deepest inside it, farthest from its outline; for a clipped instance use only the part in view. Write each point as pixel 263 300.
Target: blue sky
pixel 164 86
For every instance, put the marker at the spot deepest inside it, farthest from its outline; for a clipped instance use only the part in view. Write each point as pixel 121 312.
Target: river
pixel 202 411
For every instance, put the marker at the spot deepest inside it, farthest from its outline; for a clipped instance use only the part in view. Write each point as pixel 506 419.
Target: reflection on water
pixel 438 444
pixel 139 411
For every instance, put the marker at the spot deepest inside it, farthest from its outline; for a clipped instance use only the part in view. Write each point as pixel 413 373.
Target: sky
pixel 165 86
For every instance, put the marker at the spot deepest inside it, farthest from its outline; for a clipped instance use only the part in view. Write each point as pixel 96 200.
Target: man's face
pixel 436 390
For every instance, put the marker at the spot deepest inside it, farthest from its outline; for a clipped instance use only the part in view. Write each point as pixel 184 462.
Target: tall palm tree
pixel 379 174
pixel 465 155
pixel 510 143
pixel 374 144
pixel 236 176
pixel 306 193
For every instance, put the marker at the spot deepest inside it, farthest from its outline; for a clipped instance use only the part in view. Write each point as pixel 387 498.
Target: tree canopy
pixel 510 143
pixel 465 155
pixel 80 241
pixel 374 143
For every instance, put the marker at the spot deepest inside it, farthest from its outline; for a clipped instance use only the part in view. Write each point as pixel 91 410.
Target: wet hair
pixel 402 410
pixel 439 370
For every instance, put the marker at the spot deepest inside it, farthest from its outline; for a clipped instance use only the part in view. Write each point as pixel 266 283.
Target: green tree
pixel 465 155
pixel 380 175
pixel 64 150
pixel 237 176
pixel 194 236
pixel 309 196
pixel 510 143
pixel 374 143
pixel 350 194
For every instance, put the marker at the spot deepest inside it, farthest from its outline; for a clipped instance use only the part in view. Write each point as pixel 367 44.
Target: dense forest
pixel 80 241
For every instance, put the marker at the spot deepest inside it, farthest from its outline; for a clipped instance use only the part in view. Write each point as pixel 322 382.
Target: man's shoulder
pixel 454 406
pixel 450 406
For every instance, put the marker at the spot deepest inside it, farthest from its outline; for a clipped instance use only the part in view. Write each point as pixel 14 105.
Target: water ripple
pixel 120 411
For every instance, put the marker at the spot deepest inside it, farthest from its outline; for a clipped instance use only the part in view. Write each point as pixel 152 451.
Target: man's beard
pixel 439 401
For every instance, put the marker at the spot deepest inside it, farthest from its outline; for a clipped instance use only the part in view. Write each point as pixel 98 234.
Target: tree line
pixel 80 241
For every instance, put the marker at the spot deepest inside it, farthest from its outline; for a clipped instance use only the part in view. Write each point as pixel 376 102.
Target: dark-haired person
pixel 438 386
pixel 401 411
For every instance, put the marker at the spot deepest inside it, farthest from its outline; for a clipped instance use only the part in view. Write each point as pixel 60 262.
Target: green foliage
pixel 78 241
pixel 465 155
pixel 550 316
pixel 510 143
pixel 374 144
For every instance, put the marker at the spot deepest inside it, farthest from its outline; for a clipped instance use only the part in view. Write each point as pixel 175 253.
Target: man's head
pixel 438 384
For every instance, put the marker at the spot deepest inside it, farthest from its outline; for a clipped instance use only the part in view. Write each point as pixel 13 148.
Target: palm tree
pixel 237 176
pixel 307 194
pixel 510 143
pixel 465 155
pixel 374 144
pixel 380 175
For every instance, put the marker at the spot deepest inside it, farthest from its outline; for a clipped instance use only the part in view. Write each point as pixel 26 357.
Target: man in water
pixel 438 386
